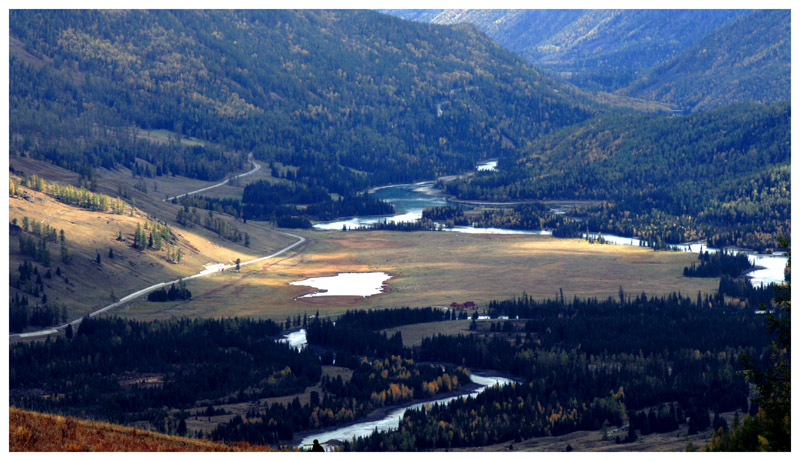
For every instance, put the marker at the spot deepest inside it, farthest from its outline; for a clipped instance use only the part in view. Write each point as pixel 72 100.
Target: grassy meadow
pixel 430 269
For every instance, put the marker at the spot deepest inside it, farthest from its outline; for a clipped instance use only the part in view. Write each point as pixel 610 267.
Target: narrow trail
pixel 211 269
pixel 256 167
pixel 208 270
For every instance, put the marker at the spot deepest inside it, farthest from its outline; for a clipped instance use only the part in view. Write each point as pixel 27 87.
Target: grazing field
pixel 433 269
pixel 414 333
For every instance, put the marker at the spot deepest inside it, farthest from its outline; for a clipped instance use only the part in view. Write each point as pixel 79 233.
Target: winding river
pixel 297 340
pixel 392 419
pixel 769 267
pixel 410 199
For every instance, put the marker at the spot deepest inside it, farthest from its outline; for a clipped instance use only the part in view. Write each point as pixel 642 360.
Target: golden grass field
pixel 89 233
pixel 432 269
pixel 39 432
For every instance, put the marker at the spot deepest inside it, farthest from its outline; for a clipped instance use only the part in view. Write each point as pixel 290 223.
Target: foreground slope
pixel 33 431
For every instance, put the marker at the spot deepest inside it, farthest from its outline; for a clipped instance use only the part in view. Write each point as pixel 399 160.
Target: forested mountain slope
pixel 593 49
pixel 747 60
pixel 336 93
pixel 723 175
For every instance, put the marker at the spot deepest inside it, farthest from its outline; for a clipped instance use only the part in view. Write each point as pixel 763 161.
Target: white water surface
pixel 491 165
pixel 410 199
pixel 296 339
pixel 770 265
pixel 392 420
pixel 346 284
pixel 355 223
pixel 495 230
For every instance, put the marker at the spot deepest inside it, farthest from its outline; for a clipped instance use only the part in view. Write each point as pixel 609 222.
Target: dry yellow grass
pixel 89 233
pixel 38 432
pixel 434 269
pixel 414 334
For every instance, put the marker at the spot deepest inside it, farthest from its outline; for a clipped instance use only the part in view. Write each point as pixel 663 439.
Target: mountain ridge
pixel 593 49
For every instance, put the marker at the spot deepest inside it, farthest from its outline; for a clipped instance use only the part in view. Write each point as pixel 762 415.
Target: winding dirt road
pixel 208 270
pixel 256 167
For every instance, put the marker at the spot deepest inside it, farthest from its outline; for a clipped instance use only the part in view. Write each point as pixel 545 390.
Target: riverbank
pixel 388 418
pixel 380 414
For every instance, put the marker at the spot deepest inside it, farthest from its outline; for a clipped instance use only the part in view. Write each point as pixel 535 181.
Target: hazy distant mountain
pixel 594 49
pixel 747 60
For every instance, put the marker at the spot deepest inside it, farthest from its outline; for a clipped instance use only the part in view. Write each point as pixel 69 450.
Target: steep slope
pixel 327 91
pixel 594 49
pixel 748 60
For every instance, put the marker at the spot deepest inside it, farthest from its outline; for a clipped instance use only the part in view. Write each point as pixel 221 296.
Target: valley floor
pixel 432 269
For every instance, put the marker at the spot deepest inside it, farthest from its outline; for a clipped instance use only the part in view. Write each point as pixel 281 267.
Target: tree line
pixel 721 175
pixel 215 361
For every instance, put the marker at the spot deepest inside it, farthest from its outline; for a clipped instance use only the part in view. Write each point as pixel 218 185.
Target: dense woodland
pixel 745 60
pixel 577 376
pixel 379 100
pixel 690 59
pixel 721 175
pixel 593 49
pixel 717 264
pixel 374 384
pixel 211 361
pixel 576 367
pixel 266 201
